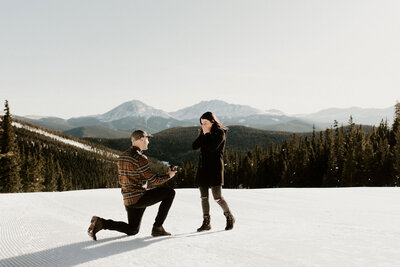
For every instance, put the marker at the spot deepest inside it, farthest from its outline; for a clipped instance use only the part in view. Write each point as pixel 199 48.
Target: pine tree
pixel 31 181
pixel 190 174
pixel 396 147
pixel 301 171
pixel 395 125
pixel 368 164
pixel 350 154
pixel 39 171
pixel 24 168
pixel 60 178
pixel 246 171
pixel 383 156
pixel 274 166
pixel 331 176
pixel 339 151
pixel 235 162
pixel 27 171
pixel 286 159
pixel 10 181
pixel 68 181
pixel 396 160
pixel 318 160
pixel 51 178
pixel 359 146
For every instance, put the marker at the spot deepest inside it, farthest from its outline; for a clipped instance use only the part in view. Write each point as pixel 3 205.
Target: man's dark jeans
pixel 135 212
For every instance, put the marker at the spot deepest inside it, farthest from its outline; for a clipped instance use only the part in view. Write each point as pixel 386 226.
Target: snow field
pixel 275 227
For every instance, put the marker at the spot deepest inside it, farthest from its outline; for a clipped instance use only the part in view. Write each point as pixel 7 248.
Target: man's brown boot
pixel 96 224
pixel 159 231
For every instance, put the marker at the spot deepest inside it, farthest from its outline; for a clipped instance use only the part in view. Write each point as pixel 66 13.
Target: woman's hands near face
pixel 206 126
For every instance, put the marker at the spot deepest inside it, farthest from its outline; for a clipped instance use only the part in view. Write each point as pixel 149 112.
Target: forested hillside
pixel 33 162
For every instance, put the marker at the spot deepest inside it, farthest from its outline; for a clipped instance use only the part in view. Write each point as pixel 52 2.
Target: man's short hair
pixel 136 135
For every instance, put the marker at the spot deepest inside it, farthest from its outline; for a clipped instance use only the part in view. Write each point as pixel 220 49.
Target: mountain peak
pixel 220 108
pixel 274 112
pixel 213 102
pixel 133 108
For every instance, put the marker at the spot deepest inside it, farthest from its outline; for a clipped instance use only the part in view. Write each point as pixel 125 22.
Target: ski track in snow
pixel 64 140
pixel 275 227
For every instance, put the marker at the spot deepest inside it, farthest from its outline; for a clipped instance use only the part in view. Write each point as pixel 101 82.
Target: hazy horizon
pixel 78 58
pixel 105 111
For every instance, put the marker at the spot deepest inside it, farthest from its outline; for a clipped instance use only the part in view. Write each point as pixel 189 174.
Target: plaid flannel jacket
pixel 134 175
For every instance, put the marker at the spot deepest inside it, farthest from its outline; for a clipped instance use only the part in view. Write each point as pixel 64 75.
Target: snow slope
pixel 275 227
pixel 64 140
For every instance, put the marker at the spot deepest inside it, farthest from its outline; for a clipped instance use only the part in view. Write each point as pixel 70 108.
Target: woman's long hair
pixel 213 119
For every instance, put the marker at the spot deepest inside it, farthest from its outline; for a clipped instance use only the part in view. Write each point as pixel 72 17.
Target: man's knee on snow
pixel 133 232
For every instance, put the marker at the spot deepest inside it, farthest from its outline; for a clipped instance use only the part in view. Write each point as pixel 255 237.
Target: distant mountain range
pixel 365 116
pixel 120 121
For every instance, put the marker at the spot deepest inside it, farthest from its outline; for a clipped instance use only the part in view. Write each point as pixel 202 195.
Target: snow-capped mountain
pixel 132 108
pixel 274 112
pixel 220 108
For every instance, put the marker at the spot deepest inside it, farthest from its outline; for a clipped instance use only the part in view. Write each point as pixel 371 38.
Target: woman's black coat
pixel 211 161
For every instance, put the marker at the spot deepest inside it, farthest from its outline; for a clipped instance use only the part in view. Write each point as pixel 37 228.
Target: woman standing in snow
pixel 211 141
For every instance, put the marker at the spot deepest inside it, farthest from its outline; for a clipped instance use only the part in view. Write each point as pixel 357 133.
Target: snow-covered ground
pixel 275 227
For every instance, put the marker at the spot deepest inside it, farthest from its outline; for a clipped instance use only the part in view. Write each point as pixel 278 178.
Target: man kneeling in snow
pixel 134 175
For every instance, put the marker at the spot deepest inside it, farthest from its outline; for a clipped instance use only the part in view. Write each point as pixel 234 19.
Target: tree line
pixel 32 162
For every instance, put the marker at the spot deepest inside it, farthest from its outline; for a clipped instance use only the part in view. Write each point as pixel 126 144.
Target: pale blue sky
pixel 71 58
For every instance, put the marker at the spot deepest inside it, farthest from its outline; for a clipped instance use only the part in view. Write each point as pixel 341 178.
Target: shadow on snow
pixel 86 251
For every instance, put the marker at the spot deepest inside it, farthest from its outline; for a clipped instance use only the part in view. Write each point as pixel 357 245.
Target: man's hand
pixel 171 173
